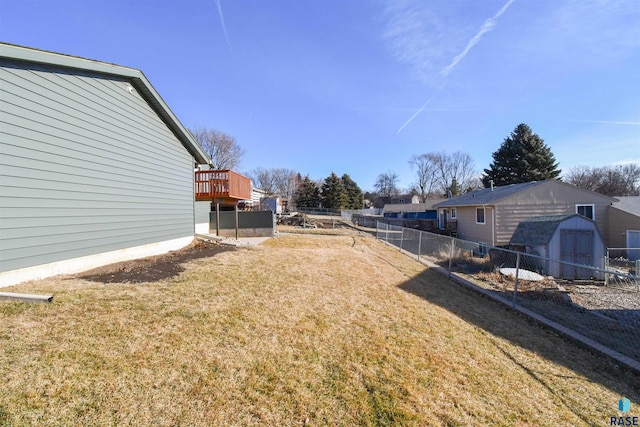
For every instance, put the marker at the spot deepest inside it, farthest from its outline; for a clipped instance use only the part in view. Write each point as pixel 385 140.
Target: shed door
pixel 633 241
pixel 576 246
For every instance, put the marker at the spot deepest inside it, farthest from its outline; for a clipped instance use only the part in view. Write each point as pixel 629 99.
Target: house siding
pixel 86 167
pixel 619 222
pixel 551 198
pixel 469 230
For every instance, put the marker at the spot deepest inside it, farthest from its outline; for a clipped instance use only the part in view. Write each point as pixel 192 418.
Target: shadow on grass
pixel 497 319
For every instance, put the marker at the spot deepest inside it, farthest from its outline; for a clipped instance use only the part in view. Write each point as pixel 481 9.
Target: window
pixel 453 213
pixel 479 215
pixel 586 210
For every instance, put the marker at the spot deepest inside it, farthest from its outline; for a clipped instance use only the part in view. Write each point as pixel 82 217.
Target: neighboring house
pixel 381 201
pixel 624 225
pixel 273 204
pixel 94 166
pixel 405 199
pixel 412 210
pixel 253 203
pixel 491 215
pixel 572 238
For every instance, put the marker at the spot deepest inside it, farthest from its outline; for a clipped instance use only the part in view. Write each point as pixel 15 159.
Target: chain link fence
pixel 601 304
pixel 347 214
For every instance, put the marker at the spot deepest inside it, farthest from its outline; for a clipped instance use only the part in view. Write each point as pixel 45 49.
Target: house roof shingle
pixel 487 196
pixel 630 204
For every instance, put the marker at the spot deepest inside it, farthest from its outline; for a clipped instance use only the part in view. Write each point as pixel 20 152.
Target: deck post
pixel 218 219
pixel 235 208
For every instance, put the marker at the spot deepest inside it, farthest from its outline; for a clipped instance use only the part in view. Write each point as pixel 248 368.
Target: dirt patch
pixel 155 268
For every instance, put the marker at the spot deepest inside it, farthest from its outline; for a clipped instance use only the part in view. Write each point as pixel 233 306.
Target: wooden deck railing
pixel 222 184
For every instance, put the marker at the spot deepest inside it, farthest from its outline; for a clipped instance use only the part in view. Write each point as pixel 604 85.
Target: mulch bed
pixel 155 268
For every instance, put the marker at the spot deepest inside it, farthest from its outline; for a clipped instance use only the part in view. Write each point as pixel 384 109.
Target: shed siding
pixel 86 167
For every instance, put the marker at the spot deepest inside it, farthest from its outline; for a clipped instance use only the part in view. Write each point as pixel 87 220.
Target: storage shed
pixel 571 238
pixel 94 166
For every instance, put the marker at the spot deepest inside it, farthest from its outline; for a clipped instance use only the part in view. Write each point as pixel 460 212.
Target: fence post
pixel 386 235
pixel 606 267
pixel 453 244
pixel 401 237
pixel 515 286
pixel 419 244
pixel 638 275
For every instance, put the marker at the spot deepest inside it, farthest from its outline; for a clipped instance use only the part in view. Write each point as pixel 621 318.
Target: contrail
pixel 486 27
pixel 224 27
pixel 417 112
pixel 610 122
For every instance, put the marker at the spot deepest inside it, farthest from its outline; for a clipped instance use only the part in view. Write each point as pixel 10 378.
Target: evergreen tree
pixel 307 195
pixel 455 189
pixel 334 195
pixel 522 157
pixel 355 198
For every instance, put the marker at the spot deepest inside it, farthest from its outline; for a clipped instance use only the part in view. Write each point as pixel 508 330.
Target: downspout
pixel 493 226
pixel 194 197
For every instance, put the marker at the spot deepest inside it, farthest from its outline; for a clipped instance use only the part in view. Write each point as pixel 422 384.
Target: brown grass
pixel 317 330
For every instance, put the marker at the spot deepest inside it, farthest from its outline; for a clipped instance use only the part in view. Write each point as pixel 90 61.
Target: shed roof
pixel 539 230
pixel 134 76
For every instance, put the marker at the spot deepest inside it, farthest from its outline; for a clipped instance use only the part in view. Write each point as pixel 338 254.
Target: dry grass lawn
pixel 302 330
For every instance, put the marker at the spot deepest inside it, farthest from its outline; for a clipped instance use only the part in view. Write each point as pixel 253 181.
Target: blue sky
pixel 359 86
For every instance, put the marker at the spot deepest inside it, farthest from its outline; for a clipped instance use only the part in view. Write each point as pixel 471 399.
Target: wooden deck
pixel 221 185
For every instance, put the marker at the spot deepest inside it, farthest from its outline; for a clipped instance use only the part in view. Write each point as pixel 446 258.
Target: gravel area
pixel 621 303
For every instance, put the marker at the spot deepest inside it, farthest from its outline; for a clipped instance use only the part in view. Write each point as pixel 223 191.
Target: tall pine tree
pixel 333 195
pixel 307 195
pixel 355 198
pixel 522 157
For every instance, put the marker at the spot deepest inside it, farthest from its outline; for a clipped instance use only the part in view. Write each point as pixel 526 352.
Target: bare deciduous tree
pixel 442 172
pixel 458 173
pixel 426 172
pixel 274 181
pixel 222 148
pixel 620 180
pixel 387 184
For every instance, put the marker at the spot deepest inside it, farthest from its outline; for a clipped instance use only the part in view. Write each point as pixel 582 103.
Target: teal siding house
pixel 94 166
